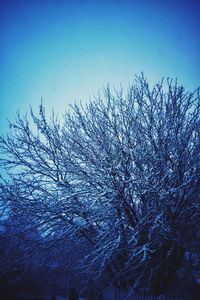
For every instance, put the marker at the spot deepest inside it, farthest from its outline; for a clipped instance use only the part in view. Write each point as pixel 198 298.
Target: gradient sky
pixel 66 50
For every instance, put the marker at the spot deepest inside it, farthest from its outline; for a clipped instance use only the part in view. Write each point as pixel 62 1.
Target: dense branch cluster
pixel 114 190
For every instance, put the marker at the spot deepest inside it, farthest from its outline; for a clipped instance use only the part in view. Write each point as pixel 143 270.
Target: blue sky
pixel 67 50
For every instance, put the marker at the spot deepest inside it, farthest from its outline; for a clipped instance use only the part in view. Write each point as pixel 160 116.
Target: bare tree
pixel 119 179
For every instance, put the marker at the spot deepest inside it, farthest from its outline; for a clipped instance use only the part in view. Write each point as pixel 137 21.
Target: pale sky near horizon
pixel 64 51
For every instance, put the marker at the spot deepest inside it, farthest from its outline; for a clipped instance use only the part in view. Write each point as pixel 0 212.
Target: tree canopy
pixel 113 189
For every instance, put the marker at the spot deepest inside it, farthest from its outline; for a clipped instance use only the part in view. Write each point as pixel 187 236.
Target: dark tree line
pixel 113 189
